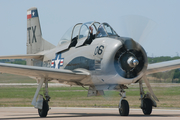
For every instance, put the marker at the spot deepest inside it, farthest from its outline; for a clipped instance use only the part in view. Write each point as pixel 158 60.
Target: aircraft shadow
pixel 74 115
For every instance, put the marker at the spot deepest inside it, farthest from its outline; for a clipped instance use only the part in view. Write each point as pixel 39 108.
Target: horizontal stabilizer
pixel 28 56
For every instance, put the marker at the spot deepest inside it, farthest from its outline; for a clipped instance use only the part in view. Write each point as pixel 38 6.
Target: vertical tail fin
pixel 35 42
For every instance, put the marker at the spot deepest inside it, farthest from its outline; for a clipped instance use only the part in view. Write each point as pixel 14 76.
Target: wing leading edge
pixel 28 56
pixel 163 66
pixel 42 72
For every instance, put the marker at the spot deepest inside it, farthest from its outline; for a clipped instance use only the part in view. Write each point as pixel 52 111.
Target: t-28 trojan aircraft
pixel 89 54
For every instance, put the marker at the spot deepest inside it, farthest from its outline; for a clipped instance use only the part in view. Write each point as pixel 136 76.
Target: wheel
pixel 43 112
pixel 124 109
pixel 147 106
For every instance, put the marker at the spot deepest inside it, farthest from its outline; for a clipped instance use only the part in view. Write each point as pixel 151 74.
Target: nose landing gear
pixel 123 104
pixel 124 109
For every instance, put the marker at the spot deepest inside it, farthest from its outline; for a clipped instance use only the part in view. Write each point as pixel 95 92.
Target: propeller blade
pixel 136 27
pixel 150 88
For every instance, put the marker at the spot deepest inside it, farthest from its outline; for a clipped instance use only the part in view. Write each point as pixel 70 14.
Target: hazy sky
pixel 56 16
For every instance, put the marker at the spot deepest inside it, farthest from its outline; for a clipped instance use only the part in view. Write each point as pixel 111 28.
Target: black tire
pixel 147 106
pixel 124 109
pixel 43 112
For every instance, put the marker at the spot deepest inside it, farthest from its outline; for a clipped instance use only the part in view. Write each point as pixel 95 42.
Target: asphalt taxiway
pixel 69 113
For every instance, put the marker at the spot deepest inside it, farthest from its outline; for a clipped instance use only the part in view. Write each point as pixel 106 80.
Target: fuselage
pixel 97 58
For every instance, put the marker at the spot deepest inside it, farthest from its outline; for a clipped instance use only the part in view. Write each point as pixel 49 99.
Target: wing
pixel 41 72
pixel 35 56
pixel 163 66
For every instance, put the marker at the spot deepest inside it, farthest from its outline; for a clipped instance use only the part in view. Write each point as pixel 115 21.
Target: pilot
pixel 92 37
pixel 100 33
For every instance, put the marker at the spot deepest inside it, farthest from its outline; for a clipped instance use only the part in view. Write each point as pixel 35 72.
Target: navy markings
pixel 33 31
pixel 99 50
pixel 57 62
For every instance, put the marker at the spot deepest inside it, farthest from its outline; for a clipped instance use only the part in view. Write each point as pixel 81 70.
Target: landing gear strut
pixel 146 101
pixel 123 104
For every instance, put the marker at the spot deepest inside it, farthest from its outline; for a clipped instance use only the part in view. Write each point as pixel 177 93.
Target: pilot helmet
pixel 101 32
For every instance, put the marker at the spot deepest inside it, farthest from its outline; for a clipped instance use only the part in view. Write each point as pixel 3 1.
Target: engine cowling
pixel 130 60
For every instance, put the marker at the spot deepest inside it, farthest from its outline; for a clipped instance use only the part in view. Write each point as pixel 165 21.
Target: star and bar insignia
pixel 57 62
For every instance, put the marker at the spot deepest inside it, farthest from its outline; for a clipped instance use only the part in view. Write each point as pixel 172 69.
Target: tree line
pixel 14 61
pixel 172 76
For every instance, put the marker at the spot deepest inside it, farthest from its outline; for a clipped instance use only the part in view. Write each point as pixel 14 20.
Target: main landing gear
pixel 147 106
pixel 42 103
pixel 146 101
pixel 45 106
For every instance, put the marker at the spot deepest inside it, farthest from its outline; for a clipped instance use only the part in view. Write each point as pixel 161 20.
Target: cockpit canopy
pixel 81 32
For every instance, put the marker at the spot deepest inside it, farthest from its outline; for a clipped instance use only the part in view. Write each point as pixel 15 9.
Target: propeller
pixel 138 28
